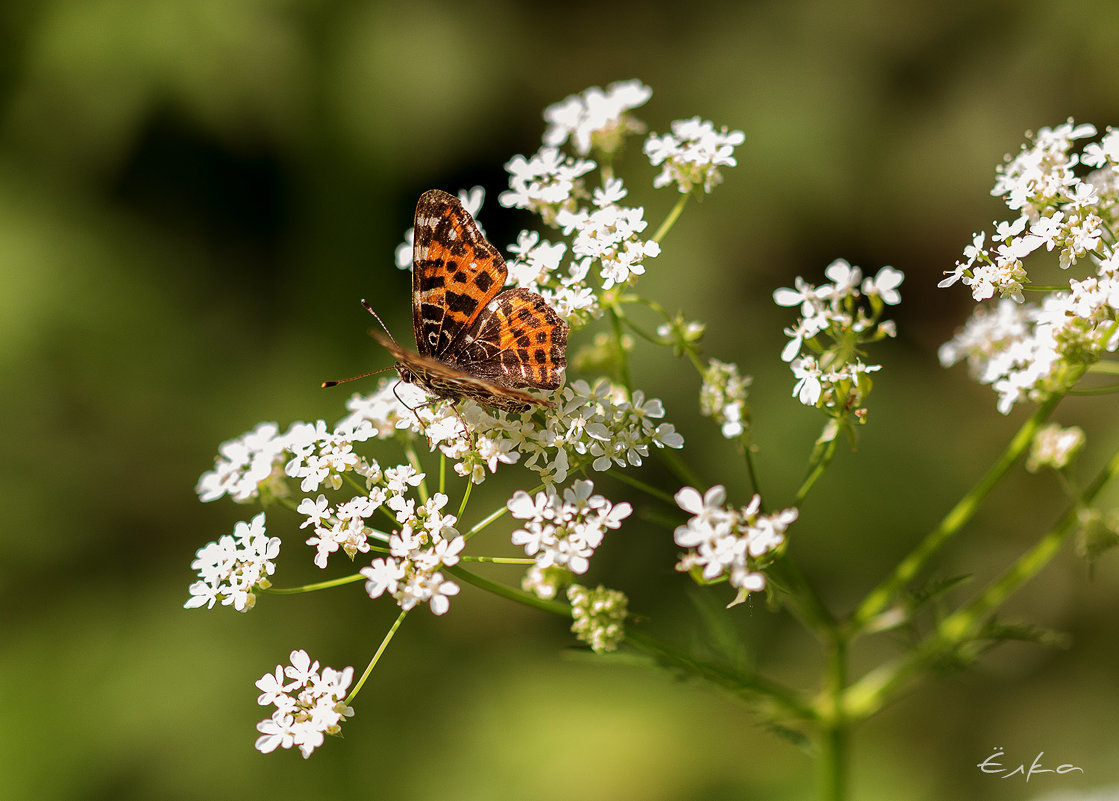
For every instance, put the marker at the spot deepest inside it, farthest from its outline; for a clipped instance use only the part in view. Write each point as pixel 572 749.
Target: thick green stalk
pixel 834 757
pixel 881 597
pixel 871 692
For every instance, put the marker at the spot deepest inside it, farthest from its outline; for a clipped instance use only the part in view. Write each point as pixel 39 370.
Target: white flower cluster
pixel 692 154
pixel 552 185
pixel 309 704
pixel 1054 447
pixel 600 424
pixel 1032 351
pixel 230 569
pixel 425 541
pixel 596 118
pixel 599 616
pixel 260 458
pixel 722 397
pixel 345 526
pixel 563 531
pixel 243 464
pixel 1014 348
pixel 726 542
pixel 833 376
pixel 545 184
pixel 608 235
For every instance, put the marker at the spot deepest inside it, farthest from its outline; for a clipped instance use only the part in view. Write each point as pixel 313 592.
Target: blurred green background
pixel 194 194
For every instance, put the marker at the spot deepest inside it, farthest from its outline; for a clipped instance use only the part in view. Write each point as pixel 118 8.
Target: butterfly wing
pixel 455 273
pixel 518 340
pixel 446 381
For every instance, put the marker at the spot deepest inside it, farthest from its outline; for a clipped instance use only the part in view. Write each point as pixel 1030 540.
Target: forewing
pixel 455 272
pixel 446 381
pixel 517 341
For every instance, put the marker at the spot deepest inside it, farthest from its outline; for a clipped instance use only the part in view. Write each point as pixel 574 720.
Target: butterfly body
pixel 474 340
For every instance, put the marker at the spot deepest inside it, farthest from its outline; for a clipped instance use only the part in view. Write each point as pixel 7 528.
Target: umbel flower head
pixel 1064 199
pixel 728 543
pixel 309 704
pixel 233 568
pixel 837 320
pixel 596 119
pixel 722 397
pixel 690 156
pixel 1054 447
pixel 599 616
pixel 564 531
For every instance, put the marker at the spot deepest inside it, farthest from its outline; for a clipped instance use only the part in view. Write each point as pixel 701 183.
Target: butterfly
pixel 474 340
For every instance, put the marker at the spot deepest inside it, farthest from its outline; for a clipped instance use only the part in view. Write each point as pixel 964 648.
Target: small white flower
pixel 1054 447
pixel 610 236
pixel 722 397
pixel 315 510
pixel 243 464
pixel 545 183
pixel 564 530
pixel 231 569
pixel 727 542
pixel 885 284
pixel 692 154
pixel 308 707
pixel 596 118
pixel 809 387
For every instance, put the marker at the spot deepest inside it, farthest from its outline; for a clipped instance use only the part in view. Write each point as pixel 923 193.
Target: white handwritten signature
pixel 992 766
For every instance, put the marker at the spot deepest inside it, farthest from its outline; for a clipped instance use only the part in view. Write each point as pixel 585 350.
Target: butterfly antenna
pixel 369 309
pixel 326 384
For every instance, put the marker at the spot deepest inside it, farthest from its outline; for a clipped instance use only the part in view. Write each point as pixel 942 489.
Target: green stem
pixel 673 216
pixel 870 693
pixel 1111 389
pixel 822 458
pixel 833 736
pixel 322 585
pixel 687 348
pixel 804 602
pixel 481 524
pixel 376 657
pixel 781 702
pixel 1107 367
pixel 509 593
pixel 465 497
pixel 623 357
pixel 523 561
pixel 966 621
pixel 882 596
pixel 773 701
pixel 649 489
pixel 748 457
